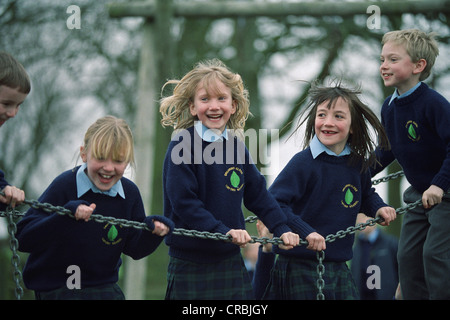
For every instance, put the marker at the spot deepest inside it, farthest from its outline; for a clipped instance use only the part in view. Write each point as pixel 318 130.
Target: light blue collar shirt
pixel 84 184
pixel 407 93
pixel 207 134
pixel 318 147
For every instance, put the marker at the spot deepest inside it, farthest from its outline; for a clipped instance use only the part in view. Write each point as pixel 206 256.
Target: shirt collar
pixel 207 134
pixel 318 147
pixel 403 95
pixel 84 184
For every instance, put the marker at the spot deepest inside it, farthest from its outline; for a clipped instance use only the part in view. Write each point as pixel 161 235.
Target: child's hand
pixel 388 214
pixel 160 228
pixel 315 242
pixel 432 196
pixel 239 237
pixel 13 196
pixel 84 212
pixel 290 240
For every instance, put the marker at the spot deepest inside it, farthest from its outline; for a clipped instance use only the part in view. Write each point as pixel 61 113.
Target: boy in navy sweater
pixel 416 120
pixel 58 243
pixel 207 175
pixel 14 88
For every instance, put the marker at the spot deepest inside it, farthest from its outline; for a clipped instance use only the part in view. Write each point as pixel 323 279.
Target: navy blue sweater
pixel 419 132
pixel 3 184
pixel 205 184
pixel 324 195
pixel 55 242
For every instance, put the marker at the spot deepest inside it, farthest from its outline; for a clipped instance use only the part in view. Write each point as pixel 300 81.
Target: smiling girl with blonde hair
pixel 57 242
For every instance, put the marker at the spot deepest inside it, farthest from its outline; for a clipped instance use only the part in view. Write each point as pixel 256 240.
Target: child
pixel 57 242
pixel 14 88
pixel 207 174
pixel 416 121
pixel 322 189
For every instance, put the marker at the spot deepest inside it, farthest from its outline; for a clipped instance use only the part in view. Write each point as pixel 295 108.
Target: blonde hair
pixel 418 45
pixel 110 136
pixel 175 108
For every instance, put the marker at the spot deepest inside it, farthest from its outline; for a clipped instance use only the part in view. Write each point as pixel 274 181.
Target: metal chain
pixel 14 246
pixel 320 272
pixel 391 176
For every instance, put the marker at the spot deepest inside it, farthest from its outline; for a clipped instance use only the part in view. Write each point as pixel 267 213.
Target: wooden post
pixel 144 133
pixel 222 9
pixel 150 137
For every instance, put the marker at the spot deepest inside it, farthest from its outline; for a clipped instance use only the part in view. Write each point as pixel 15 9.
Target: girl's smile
pixel 213 106
pixel 332 125
pixel 104 173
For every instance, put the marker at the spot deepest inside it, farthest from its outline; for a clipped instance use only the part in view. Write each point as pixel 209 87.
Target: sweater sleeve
pixel 258 200
pixel 287 189
pixel 39 227
pixel 371 201
pixel 3 184
pixel 181 188
pixel 261 277
pixel 140 243
pixel 438 116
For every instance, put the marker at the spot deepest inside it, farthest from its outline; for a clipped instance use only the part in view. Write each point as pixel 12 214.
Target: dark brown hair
pixel 360 140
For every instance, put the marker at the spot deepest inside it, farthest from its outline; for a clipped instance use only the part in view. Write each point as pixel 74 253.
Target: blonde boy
pixel 416 120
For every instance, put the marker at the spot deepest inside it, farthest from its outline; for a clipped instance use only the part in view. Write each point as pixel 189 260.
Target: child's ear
pixel 234 107
pixel 192 109
pixel 420 66
pixel 83 154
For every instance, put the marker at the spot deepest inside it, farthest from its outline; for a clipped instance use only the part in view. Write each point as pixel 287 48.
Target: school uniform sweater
pixel 56 242
pixel 419 132
pixel 3 184
pixel 205 185
pixel 323 195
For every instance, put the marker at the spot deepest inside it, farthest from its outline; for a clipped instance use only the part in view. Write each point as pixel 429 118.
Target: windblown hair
pixel 418 45
pixel 175 108
pixel 360 140
pixel 13 74
pixel 110 136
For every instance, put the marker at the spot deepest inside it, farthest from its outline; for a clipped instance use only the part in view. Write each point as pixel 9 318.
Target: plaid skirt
pixel 296 279
pixel 105 292
pixel 224 280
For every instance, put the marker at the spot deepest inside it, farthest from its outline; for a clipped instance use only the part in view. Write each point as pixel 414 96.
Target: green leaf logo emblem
pixel 234 179
pixel 412 132
pixel 348 197
pixel 112 233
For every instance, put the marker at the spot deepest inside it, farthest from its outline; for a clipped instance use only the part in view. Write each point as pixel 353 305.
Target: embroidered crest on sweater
pixel 411 127
pixel 111 234
pixel 234 176
pixel 349 192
